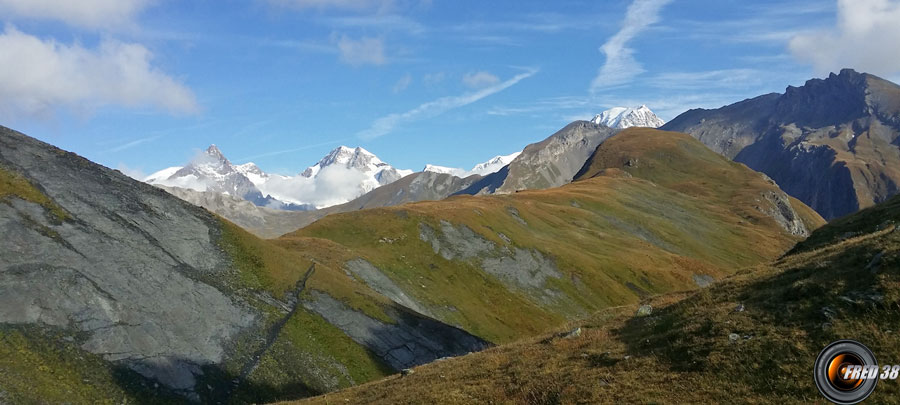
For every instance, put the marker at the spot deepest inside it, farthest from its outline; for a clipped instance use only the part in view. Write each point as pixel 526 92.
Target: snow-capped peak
pixel 214 152
pixel 624 117
pixel 492 165
pixel 445 170
pixel 350 158
pixel 253 172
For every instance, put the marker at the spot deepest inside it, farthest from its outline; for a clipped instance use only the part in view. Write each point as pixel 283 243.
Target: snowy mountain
pixel 340 176
pixel 208 171
pixel 455 171
pixel 494 164
pixel 622 117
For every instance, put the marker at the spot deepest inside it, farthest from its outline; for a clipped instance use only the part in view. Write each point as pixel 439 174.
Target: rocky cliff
pixel 549 163
pixel 832 143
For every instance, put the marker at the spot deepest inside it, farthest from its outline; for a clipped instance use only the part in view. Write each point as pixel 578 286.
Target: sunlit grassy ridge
pixel 752 338
pixel 613 237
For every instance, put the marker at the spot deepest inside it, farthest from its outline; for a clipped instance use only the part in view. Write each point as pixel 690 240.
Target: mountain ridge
pixel 832 143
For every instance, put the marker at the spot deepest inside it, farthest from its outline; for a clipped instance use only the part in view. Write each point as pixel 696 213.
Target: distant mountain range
pixel 832 143
pixel 348 173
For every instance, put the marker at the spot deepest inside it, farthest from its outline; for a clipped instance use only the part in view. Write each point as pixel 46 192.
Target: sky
pixel 140 85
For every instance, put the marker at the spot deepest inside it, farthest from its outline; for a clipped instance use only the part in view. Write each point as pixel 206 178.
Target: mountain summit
pixel 623 117
pixel 360 160
pixel 832 142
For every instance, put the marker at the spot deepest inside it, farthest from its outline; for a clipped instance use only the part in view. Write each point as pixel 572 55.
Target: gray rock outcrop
pixel 125 267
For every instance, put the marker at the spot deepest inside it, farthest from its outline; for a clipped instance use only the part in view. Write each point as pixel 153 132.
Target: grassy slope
pixel 613 237
pixel 682 353
pixel 310 356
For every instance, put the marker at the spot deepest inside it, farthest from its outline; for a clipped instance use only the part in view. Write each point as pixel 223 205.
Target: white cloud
pixel 331 186
pixel 481 79
pixel 37 76
pixel 386 124
pixel 364 51
pixel 867 38
pixel 403 83
pixel 620 65
pixel 81 13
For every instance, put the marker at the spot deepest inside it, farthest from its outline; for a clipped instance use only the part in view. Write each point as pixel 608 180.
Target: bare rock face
pixel 546 164
pixel 527 271
pixel 409 341
pixel 124 267
pixel 832 143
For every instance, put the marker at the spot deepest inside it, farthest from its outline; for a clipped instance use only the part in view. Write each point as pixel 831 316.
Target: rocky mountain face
pixel 360 160
pixel 340 176
pixel 260 221
pixel 832 143
pixel 623 117
pixel 212 172
pixel 549 163
pixel 119 291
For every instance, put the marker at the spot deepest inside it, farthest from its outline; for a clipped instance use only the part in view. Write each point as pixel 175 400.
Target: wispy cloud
pixel 388 123
pixel 351 5
pixel 82 13
pixel 382 22
pixel 402 84
pixel 710 79
pixel 621 66
pixel 136 142
pixel 363 51
pixel 867 37
pixel 480 79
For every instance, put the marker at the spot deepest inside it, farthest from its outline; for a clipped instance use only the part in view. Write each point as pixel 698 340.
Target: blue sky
pixel 141 85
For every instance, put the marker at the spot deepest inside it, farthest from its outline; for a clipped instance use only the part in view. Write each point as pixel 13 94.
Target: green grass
pixel 871 219
pixel 308 349
pixel 682 352
pixel 14 185
pixel 261 264
pixel 623 236
pixel 39 366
